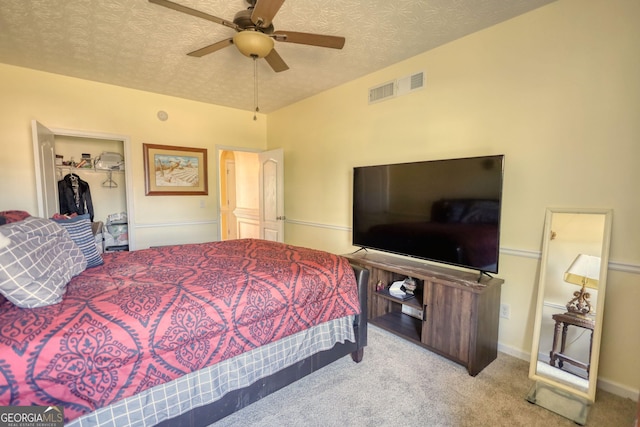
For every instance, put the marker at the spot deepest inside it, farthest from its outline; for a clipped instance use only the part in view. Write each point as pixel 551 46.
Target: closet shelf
pixel 91 169
pixel 62 170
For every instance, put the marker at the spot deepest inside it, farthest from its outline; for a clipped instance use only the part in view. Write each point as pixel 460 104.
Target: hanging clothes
pixel 74 196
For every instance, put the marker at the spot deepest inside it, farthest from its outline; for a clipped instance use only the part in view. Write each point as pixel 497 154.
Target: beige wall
pixel 67 103
pixel 556 90
pixel 247 201
pixel 247 166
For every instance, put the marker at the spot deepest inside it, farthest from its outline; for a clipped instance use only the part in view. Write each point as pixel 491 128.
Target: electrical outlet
pixel 505 311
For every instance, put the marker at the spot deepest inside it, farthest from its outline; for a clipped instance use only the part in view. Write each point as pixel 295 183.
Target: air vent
pixel 382 92
pixel 401 86
pixel 410 83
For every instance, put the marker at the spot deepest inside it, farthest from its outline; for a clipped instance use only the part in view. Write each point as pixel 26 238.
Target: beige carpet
pixel 401 384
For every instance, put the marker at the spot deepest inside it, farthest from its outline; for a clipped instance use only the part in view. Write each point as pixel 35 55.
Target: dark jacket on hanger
pixel 74 196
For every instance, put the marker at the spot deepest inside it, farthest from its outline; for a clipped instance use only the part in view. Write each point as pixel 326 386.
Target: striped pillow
pixel 79 228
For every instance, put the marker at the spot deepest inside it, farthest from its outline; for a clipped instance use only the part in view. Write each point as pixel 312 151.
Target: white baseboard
pixel 515 352
pixel 618 389
pixel 603 383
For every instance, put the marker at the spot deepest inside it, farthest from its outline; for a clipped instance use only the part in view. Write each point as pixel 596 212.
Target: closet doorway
pixel 111 192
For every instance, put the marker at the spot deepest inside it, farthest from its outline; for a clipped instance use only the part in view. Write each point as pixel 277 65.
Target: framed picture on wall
pixel 174 171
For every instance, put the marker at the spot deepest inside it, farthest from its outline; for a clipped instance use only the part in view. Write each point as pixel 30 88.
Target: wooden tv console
pixel 455 315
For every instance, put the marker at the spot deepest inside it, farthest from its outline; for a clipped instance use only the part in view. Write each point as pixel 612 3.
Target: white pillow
pixel 37 264
pixel 4 241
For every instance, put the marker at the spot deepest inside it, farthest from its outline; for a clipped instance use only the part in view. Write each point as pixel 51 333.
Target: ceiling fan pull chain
pixel 255 86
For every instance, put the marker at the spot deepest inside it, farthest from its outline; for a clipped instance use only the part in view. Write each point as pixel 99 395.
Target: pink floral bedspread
pixel 147 317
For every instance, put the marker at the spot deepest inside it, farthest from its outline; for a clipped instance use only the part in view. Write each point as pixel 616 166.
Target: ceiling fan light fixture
pixel 253 43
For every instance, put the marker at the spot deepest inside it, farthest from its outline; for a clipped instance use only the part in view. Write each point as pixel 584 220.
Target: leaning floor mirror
pixel 569 311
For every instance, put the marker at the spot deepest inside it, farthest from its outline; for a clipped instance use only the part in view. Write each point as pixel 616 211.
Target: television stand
pixel 456 314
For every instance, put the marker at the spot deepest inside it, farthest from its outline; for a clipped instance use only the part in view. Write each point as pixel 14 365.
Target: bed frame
pixel 238 399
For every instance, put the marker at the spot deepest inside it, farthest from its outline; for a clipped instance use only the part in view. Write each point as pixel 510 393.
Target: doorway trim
pixel 128 170
pixel 219 150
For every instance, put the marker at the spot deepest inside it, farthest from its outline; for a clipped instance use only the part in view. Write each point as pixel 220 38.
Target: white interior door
pixel 272 195
pixel 230 203
pixel 45 165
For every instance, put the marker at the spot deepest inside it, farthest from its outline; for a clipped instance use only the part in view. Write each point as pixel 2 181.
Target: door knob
pixel 281 218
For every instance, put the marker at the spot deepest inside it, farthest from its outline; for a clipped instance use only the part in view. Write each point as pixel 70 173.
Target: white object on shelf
pixel 395 290
pixel 109 161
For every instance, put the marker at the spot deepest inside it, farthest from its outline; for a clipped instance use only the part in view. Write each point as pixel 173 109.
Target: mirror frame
pixel 597 332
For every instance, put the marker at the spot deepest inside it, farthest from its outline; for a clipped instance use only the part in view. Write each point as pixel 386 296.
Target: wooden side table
pixel 563 321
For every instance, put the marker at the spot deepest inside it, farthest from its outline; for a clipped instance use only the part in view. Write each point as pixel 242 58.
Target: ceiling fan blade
pixel 333 42
pixel 211 48
pixel 264 11
pixel 193 12
pixel 276 62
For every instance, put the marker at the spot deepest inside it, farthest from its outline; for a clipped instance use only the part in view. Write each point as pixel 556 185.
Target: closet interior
pixel 90 175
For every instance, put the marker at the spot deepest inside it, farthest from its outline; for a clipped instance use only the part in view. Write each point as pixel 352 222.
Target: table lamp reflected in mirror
pixel 584 271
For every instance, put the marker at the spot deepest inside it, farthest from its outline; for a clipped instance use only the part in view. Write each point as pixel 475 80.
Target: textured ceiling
pixel 140 45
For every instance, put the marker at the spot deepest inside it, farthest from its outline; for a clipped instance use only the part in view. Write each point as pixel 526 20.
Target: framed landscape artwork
pixel 174 171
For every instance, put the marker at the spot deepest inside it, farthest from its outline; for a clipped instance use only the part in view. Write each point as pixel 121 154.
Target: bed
pixel 177 335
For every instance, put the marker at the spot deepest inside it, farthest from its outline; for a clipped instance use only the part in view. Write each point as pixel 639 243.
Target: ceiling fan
pixel 255 33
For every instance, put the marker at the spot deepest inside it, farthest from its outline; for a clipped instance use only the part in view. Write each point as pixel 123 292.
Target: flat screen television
pixel 447 211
